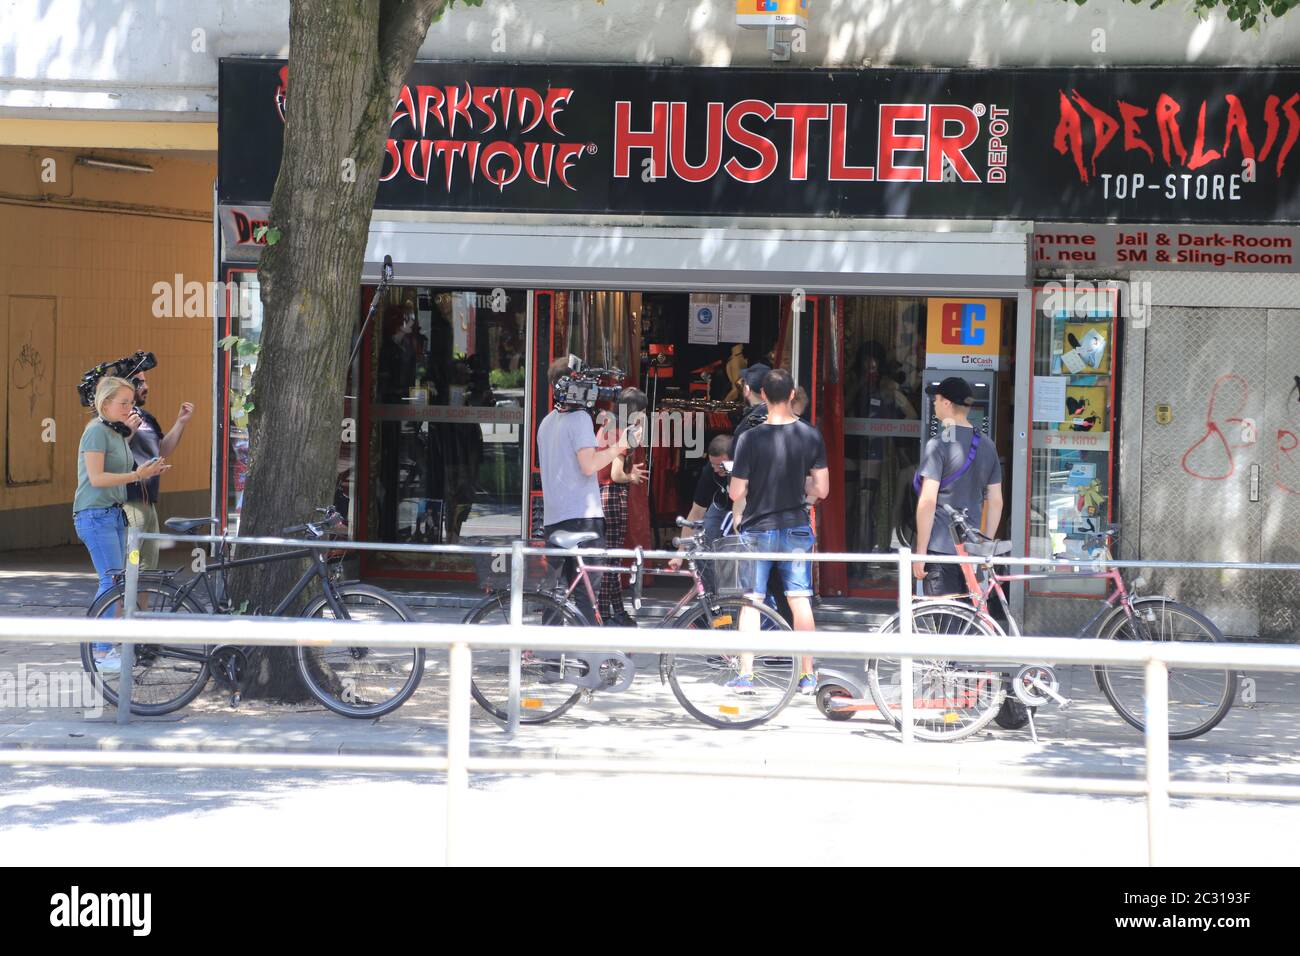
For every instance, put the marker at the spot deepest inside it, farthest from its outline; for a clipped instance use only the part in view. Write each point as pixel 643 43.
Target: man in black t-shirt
pixel 148 441
pixel 769 486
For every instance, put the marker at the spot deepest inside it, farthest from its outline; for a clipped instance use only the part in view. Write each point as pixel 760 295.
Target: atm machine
pixel 983 383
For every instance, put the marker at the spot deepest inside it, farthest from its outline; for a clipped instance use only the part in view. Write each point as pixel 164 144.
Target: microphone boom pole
pixel 385 275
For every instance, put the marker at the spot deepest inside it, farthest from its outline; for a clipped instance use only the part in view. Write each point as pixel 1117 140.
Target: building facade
pixel 611 182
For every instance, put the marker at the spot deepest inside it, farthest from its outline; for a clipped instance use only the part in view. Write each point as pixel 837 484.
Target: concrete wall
pixel 150 59
pixel 86 250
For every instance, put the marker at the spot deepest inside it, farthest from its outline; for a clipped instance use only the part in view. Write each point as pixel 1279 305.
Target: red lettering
pixel 1237 122
pixel 556 99
pixel 1167 110
pixel 471 157
pixel 767 155
pixel 891 141
pixel 1270 125
pixel 493 150
pixel 943 146
pixel 712 146
pixel 800 116
pixel 1104 127
pixel 530 156
pixel 408 155
pixel 1069 135
pixel 457 105
pixel 506 101
pixel 430 100
pixel 529 98
pixel 406 109
pixel 840 169
pixel 483 97
pixel 564 160
pixel 1292 130
pixel 1199 156
pixel 626 140
pixel 394 157
pixel 1129 115
pixel 447 150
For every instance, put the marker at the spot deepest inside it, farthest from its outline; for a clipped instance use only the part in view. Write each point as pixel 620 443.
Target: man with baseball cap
pixel 959 468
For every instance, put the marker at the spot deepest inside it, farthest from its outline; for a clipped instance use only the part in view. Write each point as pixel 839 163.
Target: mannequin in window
pixel 735 368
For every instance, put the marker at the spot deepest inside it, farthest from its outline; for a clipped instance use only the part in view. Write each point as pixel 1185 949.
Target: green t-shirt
pixel 117 460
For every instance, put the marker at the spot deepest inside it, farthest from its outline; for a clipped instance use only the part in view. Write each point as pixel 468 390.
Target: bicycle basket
pixel 493 570
pixel 730 576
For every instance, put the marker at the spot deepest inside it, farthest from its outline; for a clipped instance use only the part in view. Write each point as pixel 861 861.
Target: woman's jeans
pixel 103 532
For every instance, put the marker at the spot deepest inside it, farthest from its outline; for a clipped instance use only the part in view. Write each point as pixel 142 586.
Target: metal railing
pixel 460 639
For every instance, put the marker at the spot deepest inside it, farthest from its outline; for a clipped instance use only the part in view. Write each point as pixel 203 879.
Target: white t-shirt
pixel 566 492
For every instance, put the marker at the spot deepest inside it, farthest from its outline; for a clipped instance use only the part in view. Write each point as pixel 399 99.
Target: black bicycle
pixel 351 681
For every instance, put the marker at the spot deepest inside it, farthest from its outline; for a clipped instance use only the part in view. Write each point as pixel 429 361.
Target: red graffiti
pixel 1211 457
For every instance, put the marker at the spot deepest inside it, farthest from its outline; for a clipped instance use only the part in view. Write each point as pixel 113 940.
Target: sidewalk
pixel 1257 743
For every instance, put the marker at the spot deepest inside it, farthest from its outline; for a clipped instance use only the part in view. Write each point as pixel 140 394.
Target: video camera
pixel 583 386
pixel 122 368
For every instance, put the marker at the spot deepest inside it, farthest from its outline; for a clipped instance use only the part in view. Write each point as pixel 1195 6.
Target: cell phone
pixel 727 466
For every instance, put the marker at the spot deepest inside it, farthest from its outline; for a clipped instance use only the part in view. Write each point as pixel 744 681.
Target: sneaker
pixel 621 619
pixel 110 662
pixel 808 684
pixel 742 683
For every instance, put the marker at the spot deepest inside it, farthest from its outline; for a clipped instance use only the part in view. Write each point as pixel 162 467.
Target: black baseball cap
pixel 956 390
pixel 754 375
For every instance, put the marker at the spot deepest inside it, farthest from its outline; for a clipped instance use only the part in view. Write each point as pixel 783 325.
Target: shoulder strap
pixel 965 467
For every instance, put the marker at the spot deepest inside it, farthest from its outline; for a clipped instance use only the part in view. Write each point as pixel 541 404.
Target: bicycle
pixel 551 682
pixel 954 700
pixel 356 682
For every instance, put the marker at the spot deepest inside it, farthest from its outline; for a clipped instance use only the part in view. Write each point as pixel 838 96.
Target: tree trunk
pixel 347 62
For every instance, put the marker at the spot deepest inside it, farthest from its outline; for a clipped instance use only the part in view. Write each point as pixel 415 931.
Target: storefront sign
pixel 239 225
pixel 1065 246
pixel 963 333
pixel 1133 145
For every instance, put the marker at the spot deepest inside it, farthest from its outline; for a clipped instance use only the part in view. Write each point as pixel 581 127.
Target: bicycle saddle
pixel 186 525
pixel 570 539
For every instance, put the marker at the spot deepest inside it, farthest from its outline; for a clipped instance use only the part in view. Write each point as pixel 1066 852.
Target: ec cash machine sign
pixel 963 333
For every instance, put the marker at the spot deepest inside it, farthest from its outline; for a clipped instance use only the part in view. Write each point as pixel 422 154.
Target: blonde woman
pixel 104 469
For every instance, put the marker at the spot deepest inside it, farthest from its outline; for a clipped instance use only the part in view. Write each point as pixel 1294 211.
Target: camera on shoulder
pixel 586 386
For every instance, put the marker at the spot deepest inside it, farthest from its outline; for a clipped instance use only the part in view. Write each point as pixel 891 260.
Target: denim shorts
pixel 795 575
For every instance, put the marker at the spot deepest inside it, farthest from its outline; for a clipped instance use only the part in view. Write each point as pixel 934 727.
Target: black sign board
pixel 1139 145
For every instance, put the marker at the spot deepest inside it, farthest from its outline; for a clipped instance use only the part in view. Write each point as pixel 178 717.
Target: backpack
pixel 965 467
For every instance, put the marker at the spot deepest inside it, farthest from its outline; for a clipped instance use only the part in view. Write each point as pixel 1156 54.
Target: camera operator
pixel 570 461
pixel 147 443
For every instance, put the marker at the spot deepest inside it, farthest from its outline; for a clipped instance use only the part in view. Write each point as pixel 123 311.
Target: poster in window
pixel 1085 409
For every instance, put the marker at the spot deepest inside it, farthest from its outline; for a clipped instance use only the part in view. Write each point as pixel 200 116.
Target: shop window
pixel 445 375
pixel 1072 441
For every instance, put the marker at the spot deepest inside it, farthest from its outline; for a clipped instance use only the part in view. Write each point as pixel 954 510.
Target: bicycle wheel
pixel 361 681
pixel 950 699
pixel 543 694
pixel 1198 699
pixel 164 678
pixel 699 681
